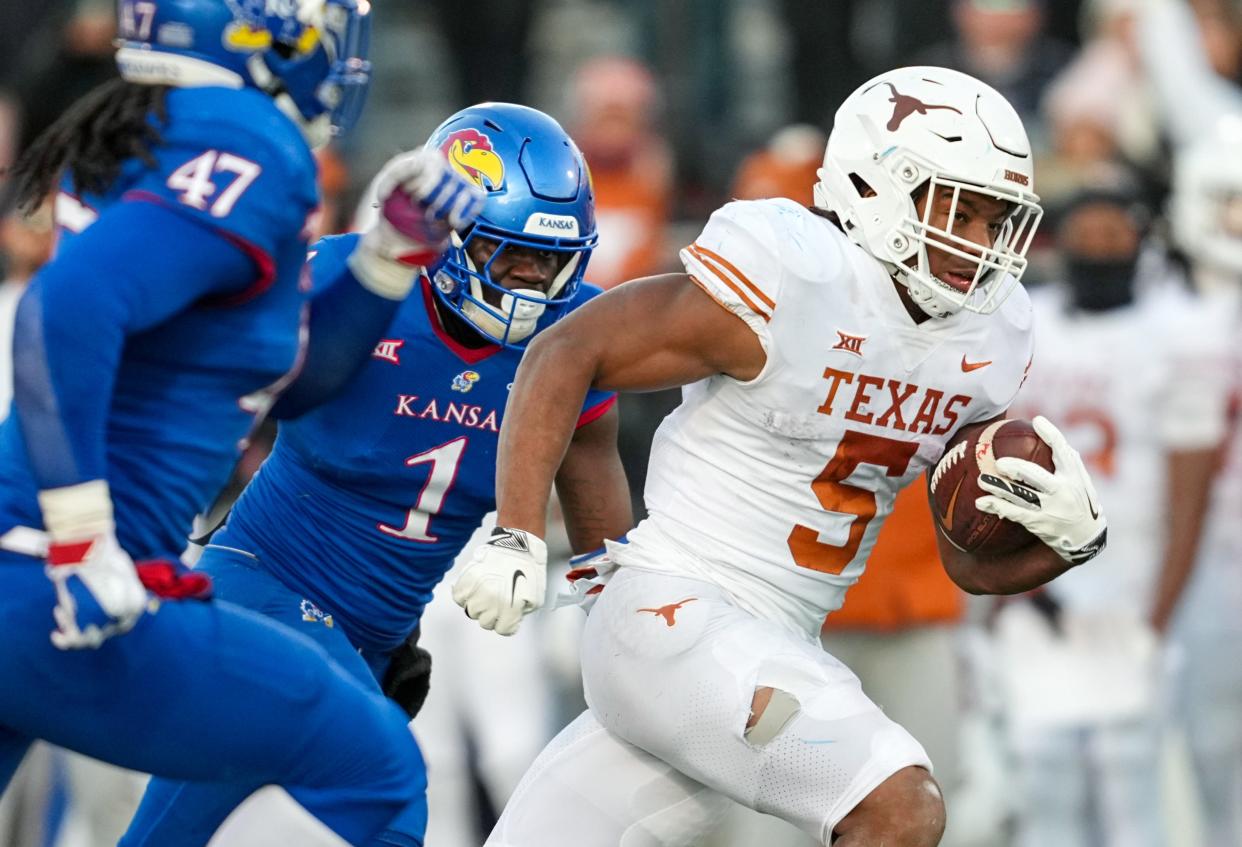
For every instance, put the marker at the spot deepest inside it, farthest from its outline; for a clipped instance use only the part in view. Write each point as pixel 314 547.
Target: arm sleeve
pixel 596 405
pixel 1190 94
pixel 736 266
pixel 345 322
pixel 134 268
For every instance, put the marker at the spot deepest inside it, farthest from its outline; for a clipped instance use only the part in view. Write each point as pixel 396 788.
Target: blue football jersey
pixel 365 502
pixel 234 164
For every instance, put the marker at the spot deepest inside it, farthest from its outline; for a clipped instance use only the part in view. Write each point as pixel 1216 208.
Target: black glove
pixel 1049 609
pixel 408 678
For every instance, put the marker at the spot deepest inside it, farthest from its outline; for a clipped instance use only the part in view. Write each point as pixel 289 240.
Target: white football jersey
pixel 1127 386
pixel 775 488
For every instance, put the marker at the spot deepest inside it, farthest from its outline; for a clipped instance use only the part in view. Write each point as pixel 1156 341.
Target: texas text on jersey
pixel 738 486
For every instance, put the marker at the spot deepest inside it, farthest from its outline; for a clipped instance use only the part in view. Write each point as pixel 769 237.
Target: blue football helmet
pixel 539 196
pixel 309 55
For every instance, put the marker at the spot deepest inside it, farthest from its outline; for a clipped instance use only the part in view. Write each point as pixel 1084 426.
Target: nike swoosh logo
pixel 946 519
pixel 967 367
pixel 1095 515
pixel 513 587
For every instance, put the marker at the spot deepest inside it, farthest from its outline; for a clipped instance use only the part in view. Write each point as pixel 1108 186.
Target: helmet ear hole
pixel 861 186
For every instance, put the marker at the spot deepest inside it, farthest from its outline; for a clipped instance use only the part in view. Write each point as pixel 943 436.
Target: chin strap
pixel 926 297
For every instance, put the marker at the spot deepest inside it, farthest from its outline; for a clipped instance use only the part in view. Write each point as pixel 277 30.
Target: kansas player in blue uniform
pixel 365 502
pixel 175 293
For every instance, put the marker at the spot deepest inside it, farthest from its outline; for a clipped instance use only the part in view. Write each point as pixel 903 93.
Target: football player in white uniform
pixel 1206 214
pixel 1135 369
pixel 827 357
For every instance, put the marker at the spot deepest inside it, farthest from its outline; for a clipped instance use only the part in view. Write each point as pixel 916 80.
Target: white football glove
pixel 421 200
pixel 98 593
pixel 505 580
pixel 1060 509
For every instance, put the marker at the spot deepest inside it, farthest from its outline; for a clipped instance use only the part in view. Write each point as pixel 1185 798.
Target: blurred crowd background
pixel 678 107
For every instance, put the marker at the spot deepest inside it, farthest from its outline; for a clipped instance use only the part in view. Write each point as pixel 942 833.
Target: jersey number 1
pixel 444 461
pixel 836 495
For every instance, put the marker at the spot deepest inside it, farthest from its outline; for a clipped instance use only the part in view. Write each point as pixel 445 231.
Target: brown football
pixel 954 484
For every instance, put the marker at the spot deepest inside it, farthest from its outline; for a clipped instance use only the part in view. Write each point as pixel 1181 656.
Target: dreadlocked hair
pixel 92 140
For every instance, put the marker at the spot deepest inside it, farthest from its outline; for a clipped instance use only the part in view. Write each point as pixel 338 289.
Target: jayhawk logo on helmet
pixel 471 154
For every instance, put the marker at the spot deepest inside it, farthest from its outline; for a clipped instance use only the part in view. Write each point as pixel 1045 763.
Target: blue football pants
pixel 185 814
pixel 207 692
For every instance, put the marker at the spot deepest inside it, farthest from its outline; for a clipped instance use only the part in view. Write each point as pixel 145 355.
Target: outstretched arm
pixel 648 334
pixel 421 200
pixel 108 283
pixel 1190 94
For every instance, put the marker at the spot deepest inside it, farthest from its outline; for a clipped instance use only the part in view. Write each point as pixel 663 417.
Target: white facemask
pixel 491 321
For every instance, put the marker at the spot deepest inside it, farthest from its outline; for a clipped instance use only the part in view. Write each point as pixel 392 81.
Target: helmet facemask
pixel 515 318
pixel 997 268
pixel 317 69
pixel 538 199
pixel 947 135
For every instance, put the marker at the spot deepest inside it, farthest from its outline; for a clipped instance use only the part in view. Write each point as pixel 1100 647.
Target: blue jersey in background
pixel 171 298
pixel 366 501
pixel 167 437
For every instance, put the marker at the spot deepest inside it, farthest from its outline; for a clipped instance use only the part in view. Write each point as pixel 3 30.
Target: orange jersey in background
pixel 631 212
pixel 904 584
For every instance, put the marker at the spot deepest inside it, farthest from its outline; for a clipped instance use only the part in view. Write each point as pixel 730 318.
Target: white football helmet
pixel 1205 207
pixel 923 128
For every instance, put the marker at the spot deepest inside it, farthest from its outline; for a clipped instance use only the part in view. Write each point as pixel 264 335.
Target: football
pixel 954 485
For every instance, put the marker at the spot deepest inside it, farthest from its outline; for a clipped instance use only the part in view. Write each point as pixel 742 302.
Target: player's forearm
pixel 1013 573
pixel 539 421
pixel 1189 474
pixel 597 510
pixel 592 488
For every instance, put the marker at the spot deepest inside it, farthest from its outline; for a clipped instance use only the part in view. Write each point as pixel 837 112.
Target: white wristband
pixel 77 511
pixel 381 276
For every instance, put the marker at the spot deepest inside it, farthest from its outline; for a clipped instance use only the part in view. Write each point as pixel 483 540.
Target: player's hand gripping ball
pixel 955 485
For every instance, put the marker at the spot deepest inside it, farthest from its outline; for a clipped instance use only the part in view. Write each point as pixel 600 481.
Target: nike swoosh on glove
pixel 422 201
pixel 505 580
pixel 1059 508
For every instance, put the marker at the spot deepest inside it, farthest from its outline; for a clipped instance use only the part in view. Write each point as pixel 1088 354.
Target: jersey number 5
pixel 444 461
pixel 195 181
pixel 836 495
